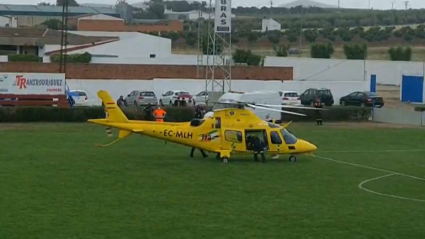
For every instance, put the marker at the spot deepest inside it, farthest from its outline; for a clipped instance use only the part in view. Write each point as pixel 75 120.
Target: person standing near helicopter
pixel 318 105
pixel 199 114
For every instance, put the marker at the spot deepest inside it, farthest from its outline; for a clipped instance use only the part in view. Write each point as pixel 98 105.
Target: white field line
pixel 391 173
pixel 384 194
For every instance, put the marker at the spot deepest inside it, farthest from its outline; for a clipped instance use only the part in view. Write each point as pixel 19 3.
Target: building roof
pixel 43 36
pixel 152 21
pixel 36 10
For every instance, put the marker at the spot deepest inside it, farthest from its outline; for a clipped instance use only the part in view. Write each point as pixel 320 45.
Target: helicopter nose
pixel 305 146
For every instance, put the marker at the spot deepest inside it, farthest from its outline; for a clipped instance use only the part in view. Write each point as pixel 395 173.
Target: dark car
pixel 309 96
pixel 362 98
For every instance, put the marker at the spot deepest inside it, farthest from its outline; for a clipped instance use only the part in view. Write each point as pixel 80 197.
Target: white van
pixel 257 97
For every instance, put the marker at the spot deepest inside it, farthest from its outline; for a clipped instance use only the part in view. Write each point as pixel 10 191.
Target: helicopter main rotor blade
pixel 292 106
pixel 283 111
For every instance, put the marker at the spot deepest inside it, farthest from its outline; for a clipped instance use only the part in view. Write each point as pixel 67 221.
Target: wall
pixel 108 71
pixel 160 86
pixel 387 72
pixel 173 59
pixel 399 116
pixel 117 26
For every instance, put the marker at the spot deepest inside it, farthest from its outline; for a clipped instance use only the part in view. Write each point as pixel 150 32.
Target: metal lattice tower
pixel 64 38
pixel 218 84
pixel 200 56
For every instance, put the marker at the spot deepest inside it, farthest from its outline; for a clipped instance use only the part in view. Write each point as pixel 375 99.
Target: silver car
pixel 138 97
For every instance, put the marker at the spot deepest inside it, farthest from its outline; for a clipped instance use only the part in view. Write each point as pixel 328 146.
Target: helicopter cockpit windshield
pixel 288 137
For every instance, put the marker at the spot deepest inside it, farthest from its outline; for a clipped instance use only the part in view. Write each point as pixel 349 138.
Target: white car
pixel 174 97
pixel 80 97
pixel 290 98
pixel 201 97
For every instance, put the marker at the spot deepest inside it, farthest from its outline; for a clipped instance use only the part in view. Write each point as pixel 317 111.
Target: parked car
pixel 362 98
pixel 80 97
pixel 201 97
pixel 175 97
pixel 290 98
pixel 309 96
pixel 139 97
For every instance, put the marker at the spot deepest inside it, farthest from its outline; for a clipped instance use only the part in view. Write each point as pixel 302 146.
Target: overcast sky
pixel 377 4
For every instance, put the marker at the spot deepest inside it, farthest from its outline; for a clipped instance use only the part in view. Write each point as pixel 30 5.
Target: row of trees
pixel 324 51
pixel 359 52
pixel 373 34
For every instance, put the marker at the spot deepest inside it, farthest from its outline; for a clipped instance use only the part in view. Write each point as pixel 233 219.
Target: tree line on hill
pixel 373 34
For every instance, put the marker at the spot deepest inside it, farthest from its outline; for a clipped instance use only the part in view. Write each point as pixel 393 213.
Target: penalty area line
pixel 369 167
pixel 384 194
pixel 391 173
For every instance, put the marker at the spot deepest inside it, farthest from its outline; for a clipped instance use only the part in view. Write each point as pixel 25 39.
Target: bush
pixel 25 58
pixel 355 52
pixel 243 56
pixel 174 114
pixel 281 50
pixel 322 51
pixel 73 58
pixel 400 54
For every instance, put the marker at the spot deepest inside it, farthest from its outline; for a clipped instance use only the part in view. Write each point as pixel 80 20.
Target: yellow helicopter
pixel 224 133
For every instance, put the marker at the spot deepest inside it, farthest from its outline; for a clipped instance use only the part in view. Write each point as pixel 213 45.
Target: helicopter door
pixel 234 140
pixel 275 142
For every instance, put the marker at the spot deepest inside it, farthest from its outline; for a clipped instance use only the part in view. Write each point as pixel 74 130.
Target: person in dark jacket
pixel 148 112
pixel 318 105
pixel 198 115
pixel 258 148
pixel 121 102
pixel 198 112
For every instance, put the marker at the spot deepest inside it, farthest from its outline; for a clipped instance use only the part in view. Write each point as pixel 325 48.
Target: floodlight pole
pixel 218 39
pixel 64 37
pixel 200 56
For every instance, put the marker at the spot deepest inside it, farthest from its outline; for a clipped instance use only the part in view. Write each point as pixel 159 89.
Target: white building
pixel 269 24
pixel 8 21
pixel 100 17
pixel 191 15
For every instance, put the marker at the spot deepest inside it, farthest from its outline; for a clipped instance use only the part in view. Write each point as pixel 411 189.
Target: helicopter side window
pixel 288 137
pixel 217 123
pixel 233 136
pixel 275 138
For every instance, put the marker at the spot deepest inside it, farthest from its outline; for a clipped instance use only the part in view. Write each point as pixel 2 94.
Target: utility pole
pixel 64 38
pixel 338 4
pixel 271 8
pixel 406 3
pixel 392 5
pixel 368 6
pixel 301 26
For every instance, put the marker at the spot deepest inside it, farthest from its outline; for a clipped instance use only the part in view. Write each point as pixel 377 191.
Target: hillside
pixel 306 4
pixel 378 40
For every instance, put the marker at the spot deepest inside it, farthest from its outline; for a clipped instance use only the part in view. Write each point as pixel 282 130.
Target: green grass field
pixel 55 183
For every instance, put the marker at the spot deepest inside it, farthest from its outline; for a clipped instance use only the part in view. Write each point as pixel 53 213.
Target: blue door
pixel 412 89
pixel 373 83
